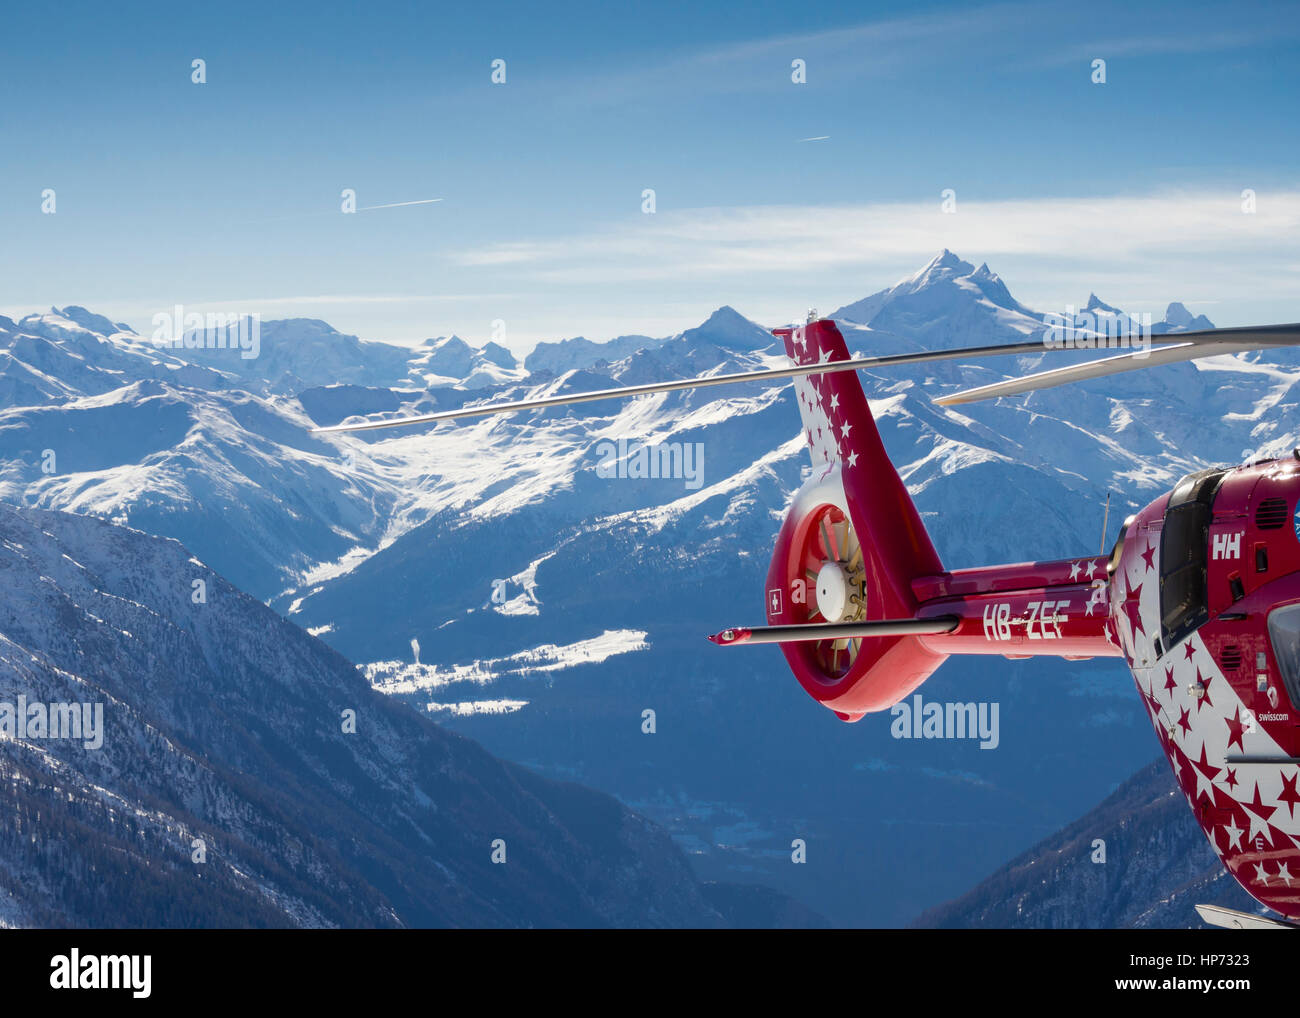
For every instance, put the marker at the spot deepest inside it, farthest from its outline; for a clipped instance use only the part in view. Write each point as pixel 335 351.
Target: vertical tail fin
pixel 841 431
pixel 881 550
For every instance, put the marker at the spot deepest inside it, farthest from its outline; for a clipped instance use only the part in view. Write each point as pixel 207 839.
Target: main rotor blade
pixel 836 631
pixel 826 367
pixel 1185 346
pixel 1169 347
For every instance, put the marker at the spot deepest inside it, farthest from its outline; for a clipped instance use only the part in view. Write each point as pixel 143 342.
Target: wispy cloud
pixel 1143 248
pixel 1016 36
pixel 869 49
pixel 1146 44
pixel 779 238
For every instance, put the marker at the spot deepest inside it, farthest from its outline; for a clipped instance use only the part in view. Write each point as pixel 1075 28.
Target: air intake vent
pixel 1230 658
pixel 1271 514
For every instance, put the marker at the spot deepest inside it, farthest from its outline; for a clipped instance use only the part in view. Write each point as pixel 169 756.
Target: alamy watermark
pixel 1083 330
pixel 680 460
pixel 77 971
pixel 179 329
pixel 23 721
pixel 920 720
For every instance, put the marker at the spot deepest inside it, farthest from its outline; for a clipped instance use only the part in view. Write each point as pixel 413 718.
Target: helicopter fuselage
pixel 1200 597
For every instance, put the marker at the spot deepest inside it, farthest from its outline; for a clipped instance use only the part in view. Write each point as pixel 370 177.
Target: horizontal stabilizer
pixel 837 631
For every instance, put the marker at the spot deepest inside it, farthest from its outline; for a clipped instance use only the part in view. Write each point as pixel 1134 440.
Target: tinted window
pixel 1284 631
pixel 1184 549
pixel 1183 602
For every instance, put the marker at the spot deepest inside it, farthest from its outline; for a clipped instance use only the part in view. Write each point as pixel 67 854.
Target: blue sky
pixel 226 195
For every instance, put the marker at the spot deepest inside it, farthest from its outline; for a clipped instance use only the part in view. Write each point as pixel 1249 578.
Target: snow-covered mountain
pixel 580 352
pixel 214 449
pixel 74 351
pixel 241 773
pixel 553 604
pixel 946 303
pixel 46 359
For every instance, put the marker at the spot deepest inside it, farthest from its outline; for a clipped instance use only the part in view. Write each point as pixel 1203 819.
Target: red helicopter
pixel 1200 594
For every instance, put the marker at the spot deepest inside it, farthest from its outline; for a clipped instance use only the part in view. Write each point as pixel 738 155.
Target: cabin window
pixel 1184 553
pixel 1284 633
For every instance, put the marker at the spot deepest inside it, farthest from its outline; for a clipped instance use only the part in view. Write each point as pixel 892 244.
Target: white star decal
pixel 1234 834
pixel 1260 875
pixel 1178 767
pixel 1284 873
pixel 824 357
pixel 1075 570
pixel 1260 824
pixel 853 459
pixel 845 428
pixel 835 401
pixel 1201 779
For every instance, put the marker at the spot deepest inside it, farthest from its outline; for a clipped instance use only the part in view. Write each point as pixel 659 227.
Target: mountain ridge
pixel 1137 860
pixel 229 790
pixel 607 583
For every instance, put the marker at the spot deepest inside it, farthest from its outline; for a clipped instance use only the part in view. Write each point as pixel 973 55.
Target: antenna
pixel 1104 521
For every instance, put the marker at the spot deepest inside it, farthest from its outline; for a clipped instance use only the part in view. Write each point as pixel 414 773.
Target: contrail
pixel 399 204
pixel 315 215
pixel 820 137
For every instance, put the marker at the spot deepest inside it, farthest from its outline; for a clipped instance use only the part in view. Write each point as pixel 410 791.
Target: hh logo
pixel 1227 546
pixel 774 601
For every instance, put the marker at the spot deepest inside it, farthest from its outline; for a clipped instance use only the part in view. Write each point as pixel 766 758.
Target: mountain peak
pixel 436 361
pixel 727 327
pixel 944 262
pixel 1179 319
pixel 497 354
pixel 726 315
pixel 452 342
pixel 90 320
pixel 1095 303
pixel 920 300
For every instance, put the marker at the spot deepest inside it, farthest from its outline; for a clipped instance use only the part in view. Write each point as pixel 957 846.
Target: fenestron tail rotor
pixel 828 586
